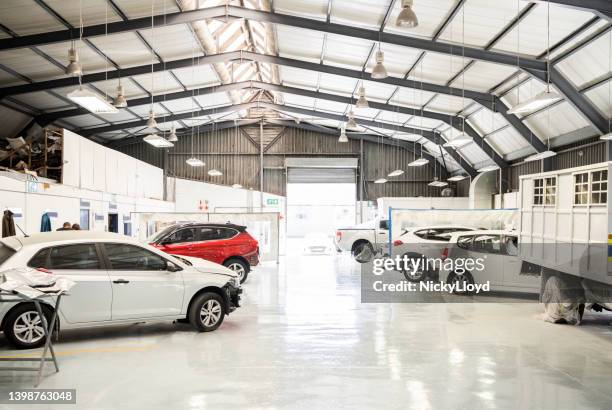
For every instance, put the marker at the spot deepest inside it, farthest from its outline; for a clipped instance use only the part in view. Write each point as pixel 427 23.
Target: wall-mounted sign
pixel 272 201
pixel 99 217
pixel 112 207
pixel 32 187
pixel 84 204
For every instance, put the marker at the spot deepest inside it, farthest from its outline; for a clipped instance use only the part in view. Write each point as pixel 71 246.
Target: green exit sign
pixel 272 201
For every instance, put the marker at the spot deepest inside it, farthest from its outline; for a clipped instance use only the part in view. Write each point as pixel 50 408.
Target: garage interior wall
pixel 236 152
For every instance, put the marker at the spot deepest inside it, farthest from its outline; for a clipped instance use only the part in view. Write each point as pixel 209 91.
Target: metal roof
pixel 474 79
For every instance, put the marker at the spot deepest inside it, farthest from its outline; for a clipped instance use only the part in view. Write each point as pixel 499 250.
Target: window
pixel 538 191
pixel 511 243
pixel 183 235
pixel 581 189
pixel 550 192
pixel 591 188
pixel 465 242
pixel 40 260
pixel 130 257
pixel 487 244
pixel 599 187
pixel 69 257
pixel 384 225
pixel 212 234
pixel 84 219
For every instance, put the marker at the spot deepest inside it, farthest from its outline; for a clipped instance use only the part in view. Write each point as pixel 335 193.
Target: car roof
pixel 61 237
pixel 210 224
pixel 487 231
pixel 415 228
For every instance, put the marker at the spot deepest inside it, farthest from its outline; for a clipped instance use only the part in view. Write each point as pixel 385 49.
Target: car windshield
pixel 5 253
pixel 157 236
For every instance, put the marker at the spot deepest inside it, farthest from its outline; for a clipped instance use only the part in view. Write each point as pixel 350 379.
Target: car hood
pixel 204 266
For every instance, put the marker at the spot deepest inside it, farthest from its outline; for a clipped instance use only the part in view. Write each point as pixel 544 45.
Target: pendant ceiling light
pixel 407 18
pixel 606 137
pixel 488 168
pixel 351 124
pixel 381 181
pixel 151 123
pixel 396 173
pixel 215 173
pixel 158 141
pixel 120 101
pixel 172 137
pixel 541 155
pixel 74 67
pixel 91 101
pixel 236 186
pixel 437 183
pixel 343 137
pixel 458 141
pixel 362 102
pixel 419 162
pixel 457 178
pixel 379 71
pixel 547 96
pixel 195 162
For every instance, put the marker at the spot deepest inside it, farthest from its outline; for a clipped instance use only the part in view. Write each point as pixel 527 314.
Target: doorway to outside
pixel 320 198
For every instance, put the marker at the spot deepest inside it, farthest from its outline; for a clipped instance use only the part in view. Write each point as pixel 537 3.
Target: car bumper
pixel 233 297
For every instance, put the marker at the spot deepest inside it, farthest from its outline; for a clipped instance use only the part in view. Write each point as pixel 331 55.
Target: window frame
pixel 543 193
pixel 589 192
pixel 501 250
pixel 109 265
pixel 102 265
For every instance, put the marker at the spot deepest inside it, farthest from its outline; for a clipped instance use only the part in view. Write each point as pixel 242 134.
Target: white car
pixel 118 280
pixel 363 240
pixel 317 244
pixel 501 265
pixel 423 241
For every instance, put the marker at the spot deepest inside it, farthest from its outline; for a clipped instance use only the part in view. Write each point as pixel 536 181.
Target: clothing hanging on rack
pixel 45 223
pixel 8 224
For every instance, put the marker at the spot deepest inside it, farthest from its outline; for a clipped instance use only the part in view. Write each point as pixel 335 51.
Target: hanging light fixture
pixel 120 101
pixel 488 168
pixel 351 124
pixel 457 178
pixel 419 162
pixel 437 183
pixel 74 67
pixel 195 162
pixel 547 96
pixel 396 173
pixel 362 102
pixel 236 186
pixel 379 71
pixel 407 18
pixel 91 101
pixel 541 155
pixel 343 137
pixel 151 123
pixel 172 137
pixel 215 173
pixel 459 141
pixel 381 181
pixel 158 141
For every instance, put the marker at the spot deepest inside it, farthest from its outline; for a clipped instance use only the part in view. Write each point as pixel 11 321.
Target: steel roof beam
pixel 269 17
pixel 602 8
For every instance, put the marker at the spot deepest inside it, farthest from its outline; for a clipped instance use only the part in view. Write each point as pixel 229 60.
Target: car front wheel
pixel 207 313
pixel 23 327
pixel 239 267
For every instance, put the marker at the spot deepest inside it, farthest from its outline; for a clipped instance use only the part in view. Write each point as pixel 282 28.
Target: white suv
pixel 118 280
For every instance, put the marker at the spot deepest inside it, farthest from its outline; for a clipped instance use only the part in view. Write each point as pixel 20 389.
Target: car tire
pixel 238 266
pixel 206 313
pixel 363 252
pixel 424 274
pixel 465 277
pixel 25 314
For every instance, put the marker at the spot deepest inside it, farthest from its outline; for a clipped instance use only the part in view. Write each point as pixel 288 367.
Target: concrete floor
pixel 304 340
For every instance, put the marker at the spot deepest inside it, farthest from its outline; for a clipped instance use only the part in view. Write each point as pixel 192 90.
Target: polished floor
pixel 304 340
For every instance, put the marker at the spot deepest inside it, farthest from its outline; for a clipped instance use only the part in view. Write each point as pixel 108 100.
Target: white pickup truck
pixel 363 240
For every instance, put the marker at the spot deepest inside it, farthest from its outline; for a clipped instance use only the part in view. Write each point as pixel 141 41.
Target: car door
pixel 489 248
pixel 513 265
pixel 211 243
pixel 144 283
pixel 180 242
pixel 90 299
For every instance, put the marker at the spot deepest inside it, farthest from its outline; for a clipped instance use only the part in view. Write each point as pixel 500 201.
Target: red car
pixel 226 244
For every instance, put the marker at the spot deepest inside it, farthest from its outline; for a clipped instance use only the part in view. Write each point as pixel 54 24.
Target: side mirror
pixel 171 267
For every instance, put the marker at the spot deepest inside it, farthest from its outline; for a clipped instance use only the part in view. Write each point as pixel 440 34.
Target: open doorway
pixel 113 223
